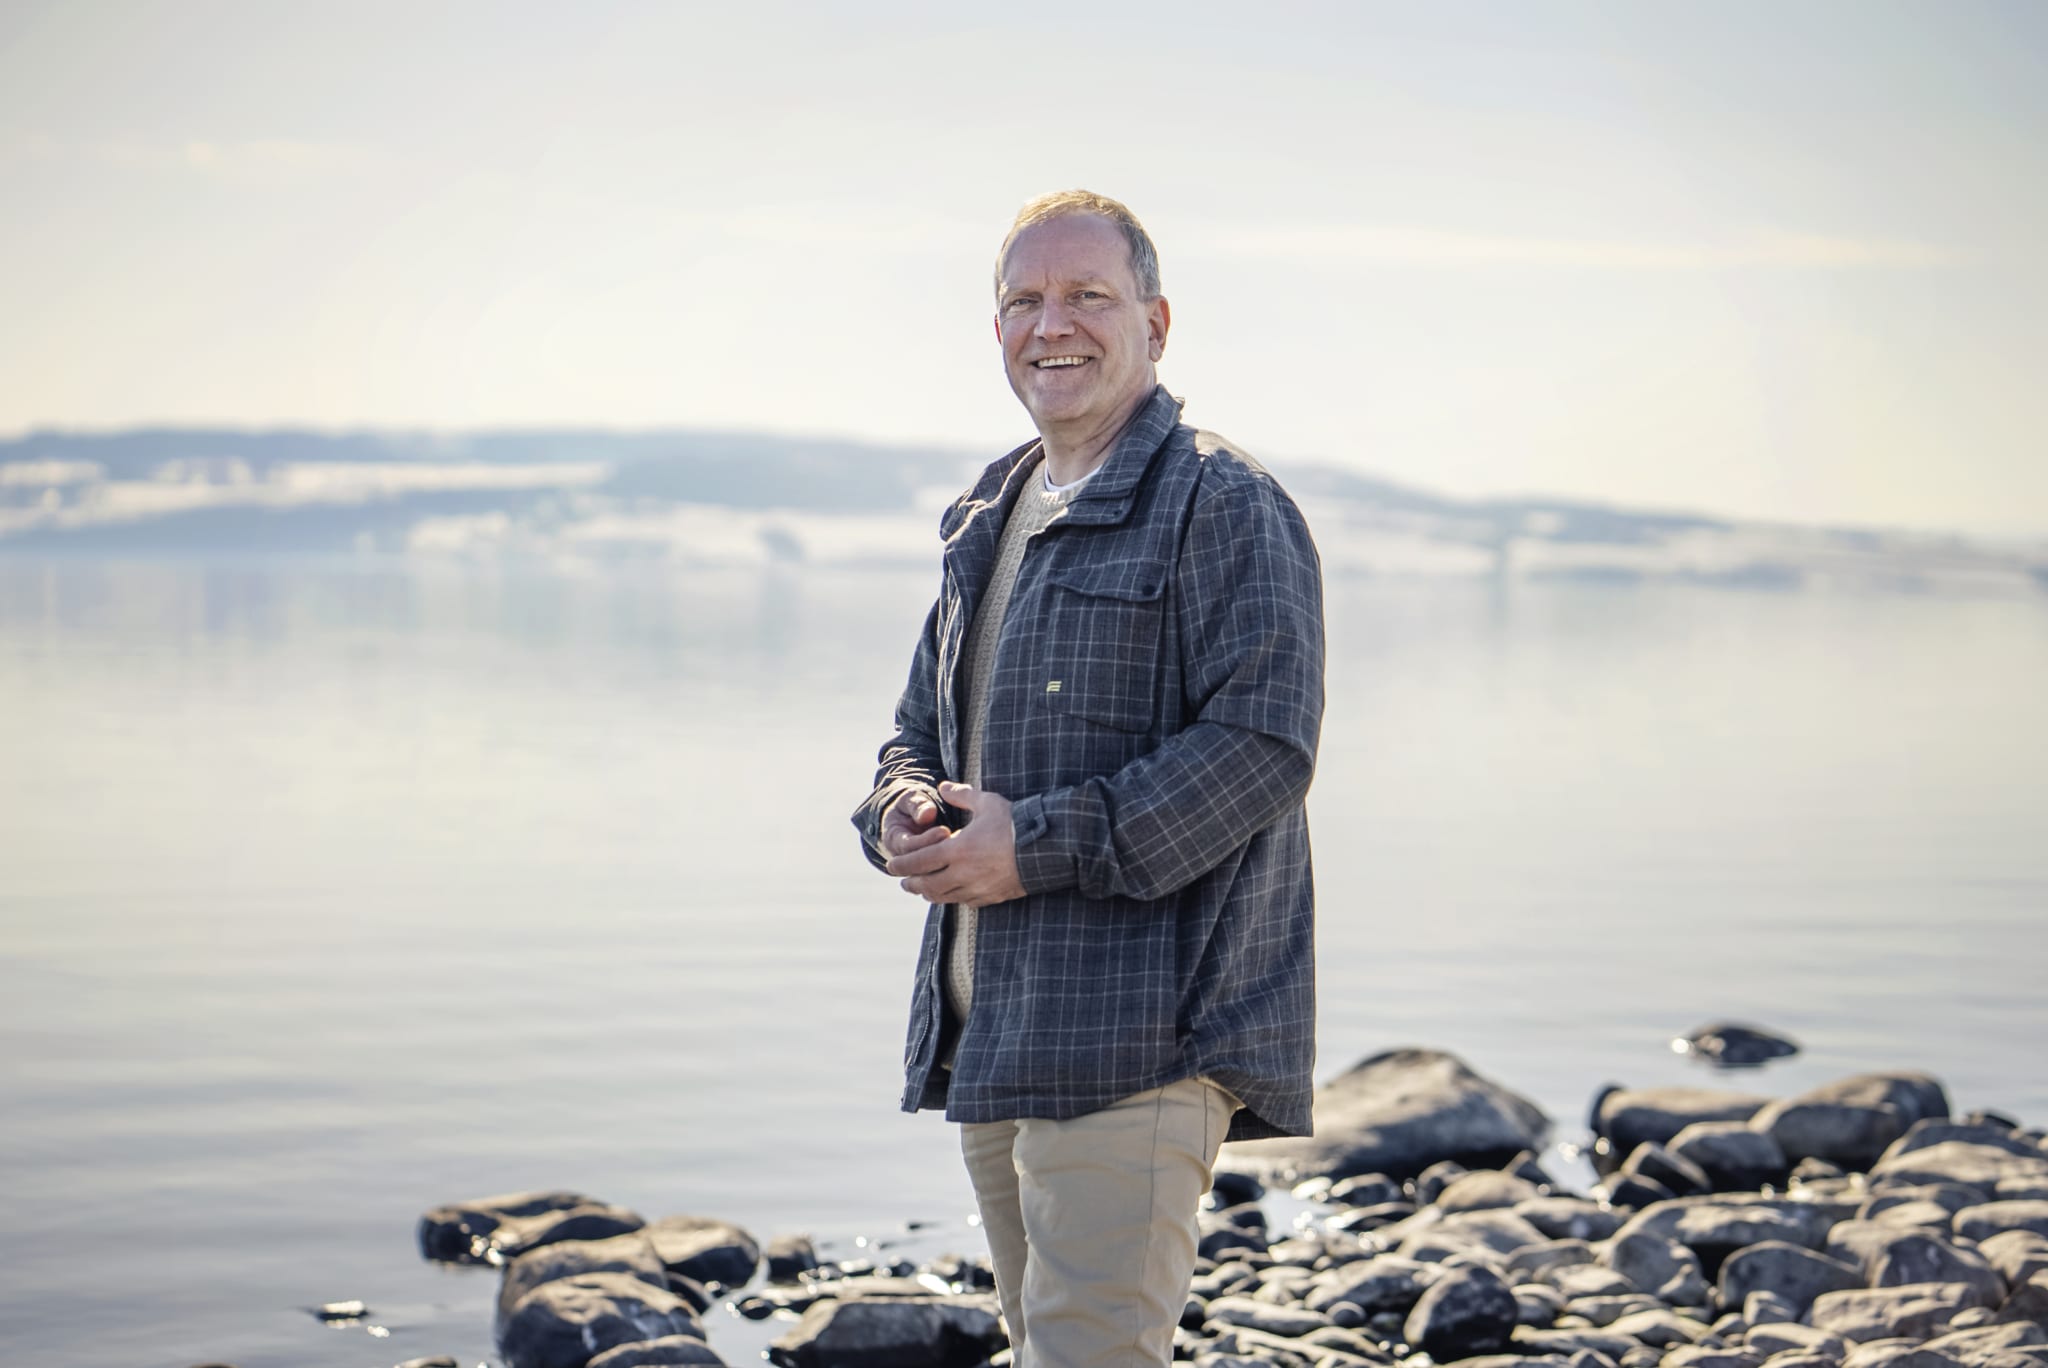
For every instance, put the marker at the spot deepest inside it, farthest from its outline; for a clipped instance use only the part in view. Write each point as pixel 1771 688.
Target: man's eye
pixel 1017 305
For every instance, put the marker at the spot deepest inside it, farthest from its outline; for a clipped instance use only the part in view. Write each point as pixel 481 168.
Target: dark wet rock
pixel 1715 1228
pixel 1812 1170
pixel 1920 1258
pixel 1658 1328
pixel 1969 1163
pixel 1537 1261
pixel 1794 1274
pixel 1950 1197
pixel 430 1361
pixel 631 1255
pixel 1485 1190
pixel 1733 1157
pixel 962 1273
pixel 1701 1356
pixel 1604 1311
pixel 1848 1134
pixel 790 1256
pixel 1367 1189
pixel 1776 1337
pixel 1537 1305
pixel 563 1323
pixel 1982 1346
pixel 1227 1277
pixel 1430 1183
pixel 1289 1321
pixel 1628 1117
pixel 711 1251
pixel 1385 1283
pixel 690 1290
pixel 935 1332
pixel 1372 1217
pixel 1796 1358
pixel 1507 1361
pixel 1569 1218
pixel 1918 1312
pixel 2028 1302
pixel 2017 1255
pixel 1529 1167
pixel 1981 1223
pixel 1229 1187
pixel 1932 1217
pixel 1659 1266
pixel 489 1228
pixel 1345 1341
pixel 1632 1190
pixel 1589 1280
pixel 1468 1311
pixel 1763 1307
pixel 1917 1096
pixel 1556 1345
pixel 1678 1175
pixel 1905 1355
pixel 1221 1237
pixel 661 1353
pixel 1860 1242
pixel 1732 1045
pixel 1398 1113
pixel 1928 1133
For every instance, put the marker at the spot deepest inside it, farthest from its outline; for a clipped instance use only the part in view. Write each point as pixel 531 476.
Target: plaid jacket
pixel 1153 717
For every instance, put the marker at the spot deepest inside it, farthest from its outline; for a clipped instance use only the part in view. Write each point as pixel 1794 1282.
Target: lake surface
pixel 331 892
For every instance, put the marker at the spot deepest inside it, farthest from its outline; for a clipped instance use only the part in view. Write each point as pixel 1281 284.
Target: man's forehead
pixel 1073 249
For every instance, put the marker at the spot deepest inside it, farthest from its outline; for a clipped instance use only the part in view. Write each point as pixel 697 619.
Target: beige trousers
pixel 1091 1223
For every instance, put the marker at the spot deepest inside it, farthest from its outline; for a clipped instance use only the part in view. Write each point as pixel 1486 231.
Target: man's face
pixel 1078 342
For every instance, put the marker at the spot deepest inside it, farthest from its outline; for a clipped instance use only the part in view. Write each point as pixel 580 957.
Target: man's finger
pixel 928 859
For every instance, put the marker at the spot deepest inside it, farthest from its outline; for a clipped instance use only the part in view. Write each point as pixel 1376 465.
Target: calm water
pixel 331 893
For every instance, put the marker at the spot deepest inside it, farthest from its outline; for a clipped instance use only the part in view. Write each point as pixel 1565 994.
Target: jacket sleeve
pixel 909 760
pixel 1249 603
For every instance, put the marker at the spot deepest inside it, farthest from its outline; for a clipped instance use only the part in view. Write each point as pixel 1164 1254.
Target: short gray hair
pixel 1068 203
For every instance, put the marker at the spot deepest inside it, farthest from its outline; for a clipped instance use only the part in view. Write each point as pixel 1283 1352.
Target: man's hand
pixel 975 866
pixel 911 823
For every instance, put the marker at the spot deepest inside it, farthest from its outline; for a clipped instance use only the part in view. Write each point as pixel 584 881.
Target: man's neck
pixel 1071 456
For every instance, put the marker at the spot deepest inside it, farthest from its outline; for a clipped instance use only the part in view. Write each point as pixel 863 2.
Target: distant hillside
pixel 698 498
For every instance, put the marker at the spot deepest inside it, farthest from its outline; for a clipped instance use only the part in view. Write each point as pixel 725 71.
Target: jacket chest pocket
pixel 1106 621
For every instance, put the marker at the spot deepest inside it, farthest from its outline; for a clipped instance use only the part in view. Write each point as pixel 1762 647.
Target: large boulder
pixel 1916 1257
pixel 932 1332
pixel 1466 1312
pixel 631 1255
pixel 1733 1157
pixel 2017 1255
pixel 1981 1223
pixel 1796 1274
pixel 493 1229
pixel 709 1251
pixel 1917 1312
pixel 1994 1346
pixel 1399 1112
pixel 1658 1265
pixel 1627 1117
pixel 565 1322
pixel 670 1351
pixel 1970 1163
pixel 1851 1135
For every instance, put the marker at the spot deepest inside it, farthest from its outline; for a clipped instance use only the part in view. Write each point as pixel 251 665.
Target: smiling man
pixel 1097 783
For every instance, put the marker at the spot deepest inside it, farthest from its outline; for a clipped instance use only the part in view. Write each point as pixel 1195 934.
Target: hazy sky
pixel 1782 259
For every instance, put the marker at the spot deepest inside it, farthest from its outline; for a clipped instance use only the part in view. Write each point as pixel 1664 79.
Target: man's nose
pixel 1054 320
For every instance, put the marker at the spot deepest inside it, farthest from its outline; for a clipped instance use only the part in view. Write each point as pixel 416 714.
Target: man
pixel 1097 783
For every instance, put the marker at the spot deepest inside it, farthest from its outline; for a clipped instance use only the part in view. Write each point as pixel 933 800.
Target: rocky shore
pixel 1857 1225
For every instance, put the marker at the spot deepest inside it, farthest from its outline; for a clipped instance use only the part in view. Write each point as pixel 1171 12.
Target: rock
pixel 1569 1218
pixel 1981 1223
pixel 1992 1344
pixel 1398 1113
pixel 1661 1267
pixel 1631 1190
pixel 1918 1258
pixel 1715 1228
pixel 2017 1255
pixel 1287 1321
pixel 1555 1344
pixel 565 1322
pixel 1700 1356
pixel 1385 1283
pixel 1536 1304
pixel 1606 1310
pixel 631 1255
pixel 1728 1045
pixel 1485 1190
pixel 1915 1096
pixel 1658 1328
pixel 1589 1280
pixel 711 1251
pixel 1628 1117
pixel 1367 1189
pixel 935 1332
pixel 790 1256
pixel 1851 1135
pixel 1467 1311
pixel 1779 1336
pixel 1765 1307
pixel 1917 1312
pixel 1957 1161
pixel 1370 1217
pixel 1680 1176
pixel 1905 1355
pixel 1431 1182
pixel 1799 1358
pixel 1860 1242
pixel 491 1228
pixel 2028 1302
pixel 1733 1157
pixel 430 1361
pixel 1229 1188
pixel 1795 1275
pixel 1949 1198
pixel 1534 1262
pixel 660 1353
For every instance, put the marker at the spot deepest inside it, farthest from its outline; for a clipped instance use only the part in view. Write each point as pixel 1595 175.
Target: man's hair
pixel 1067 203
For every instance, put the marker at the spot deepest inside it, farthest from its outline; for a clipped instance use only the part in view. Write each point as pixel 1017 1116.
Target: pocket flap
pixel 1133 581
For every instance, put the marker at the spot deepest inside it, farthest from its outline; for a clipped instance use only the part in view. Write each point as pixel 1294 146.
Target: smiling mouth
pixel 1060 362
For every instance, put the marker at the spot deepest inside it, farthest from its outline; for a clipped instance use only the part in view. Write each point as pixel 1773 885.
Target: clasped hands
pixel 975 866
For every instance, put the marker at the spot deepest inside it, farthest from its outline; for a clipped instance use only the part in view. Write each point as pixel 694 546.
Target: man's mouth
pixel 1059 362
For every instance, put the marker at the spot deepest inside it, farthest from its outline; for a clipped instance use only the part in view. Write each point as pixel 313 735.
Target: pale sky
pixel 1768 259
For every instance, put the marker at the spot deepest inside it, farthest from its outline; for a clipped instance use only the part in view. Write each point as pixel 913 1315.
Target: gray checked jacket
pixel 1153 715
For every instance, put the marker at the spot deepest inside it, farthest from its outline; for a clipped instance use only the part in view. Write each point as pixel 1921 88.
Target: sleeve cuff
pixel 1042 865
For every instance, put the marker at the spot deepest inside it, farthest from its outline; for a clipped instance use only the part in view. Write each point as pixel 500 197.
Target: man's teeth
pixel 1052 361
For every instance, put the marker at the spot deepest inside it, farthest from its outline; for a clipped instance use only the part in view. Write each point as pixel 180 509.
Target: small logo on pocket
pixel 1052 686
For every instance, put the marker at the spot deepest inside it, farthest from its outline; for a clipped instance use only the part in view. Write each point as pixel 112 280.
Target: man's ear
pixel 1158 318
pixel 997 319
